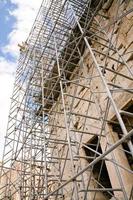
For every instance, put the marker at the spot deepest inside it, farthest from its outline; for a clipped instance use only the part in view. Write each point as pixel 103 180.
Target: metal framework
pixel 43 156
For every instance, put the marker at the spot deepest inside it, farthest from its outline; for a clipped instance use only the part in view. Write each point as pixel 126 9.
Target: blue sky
pixel 6 22
pixel 16 19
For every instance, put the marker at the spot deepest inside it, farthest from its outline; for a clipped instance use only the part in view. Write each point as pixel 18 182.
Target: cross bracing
pixel 69 133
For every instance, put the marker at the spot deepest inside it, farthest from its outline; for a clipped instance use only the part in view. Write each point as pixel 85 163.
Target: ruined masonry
pixel 70 128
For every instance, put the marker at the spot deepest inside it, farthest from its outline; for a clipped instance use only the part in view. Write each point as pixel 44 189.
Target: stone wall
pixel 85 112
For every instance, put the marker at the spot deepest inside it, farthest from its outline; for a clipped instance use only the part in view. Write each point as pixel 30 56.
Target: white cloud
pixel 24 13
pixel 7 69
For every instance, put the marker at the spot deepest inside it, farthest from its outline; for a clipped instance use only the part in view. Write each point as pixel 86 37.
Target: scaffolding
pixel 66 107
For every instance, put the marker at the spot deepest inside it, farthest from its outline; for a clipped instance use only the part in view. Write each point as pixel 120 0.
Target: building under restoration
pixel 70 129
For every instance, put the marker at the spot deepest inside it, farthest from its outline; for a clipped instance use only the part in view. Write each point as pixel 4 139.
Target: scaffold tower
pixel 70 128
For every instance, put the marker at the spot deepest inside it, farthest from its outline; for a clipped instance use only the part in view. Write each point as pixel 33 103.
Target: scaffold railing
pixel 69 133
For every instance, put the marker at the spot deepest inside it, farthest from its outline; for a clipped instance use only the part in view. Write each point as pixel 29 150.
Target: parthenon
pixel 70 127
